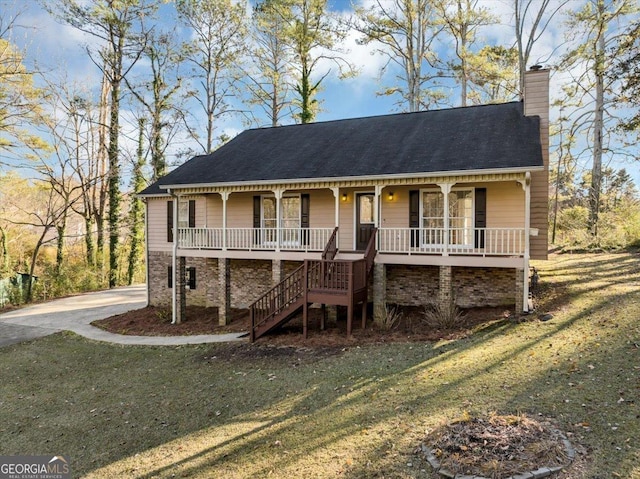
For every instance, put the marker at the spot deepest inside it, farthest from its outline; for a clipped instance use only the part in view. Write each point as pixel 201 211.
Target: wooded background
pixel 174 73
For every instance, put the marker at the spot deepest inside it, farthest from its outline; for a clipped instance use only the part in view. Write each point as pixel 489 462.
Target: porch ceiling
pixel 482 177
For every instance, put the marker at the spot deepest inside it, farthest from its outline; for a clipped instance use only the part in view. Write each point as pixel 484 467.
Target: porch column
pixel 278 194
pixel 180 289
pixel 445 290
pixel 224 288
pixel 526 186
pixel 446 189
pixel 225 197
pixel 521 280
pixel 277 271
pixel 379 292
pixel 376 206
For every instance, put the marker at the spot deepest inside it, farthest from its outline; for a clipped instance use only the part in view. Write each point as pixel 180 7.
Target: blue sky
pixel 59 49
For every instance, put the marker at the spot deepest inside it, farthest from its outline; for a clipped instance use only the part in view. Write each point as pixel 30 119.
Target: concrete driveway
pixel 77 312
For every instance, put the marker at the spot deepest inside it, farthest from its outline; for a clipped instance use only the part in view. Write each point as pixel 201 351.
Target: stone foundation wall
pixel 484 286
pixel 206 290
pixel 407 285
pixel 412 285
pixel 159 292
pixel 250 279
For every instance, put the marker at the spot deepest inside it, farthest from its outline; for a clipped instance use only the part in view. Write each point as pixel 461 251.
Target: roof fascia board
pixel 392 178
pixel 153 195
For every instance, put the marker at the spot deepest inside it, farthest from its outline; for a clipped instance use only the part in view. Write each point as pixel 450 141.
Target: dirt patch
pixel 411 326
pixel 497 446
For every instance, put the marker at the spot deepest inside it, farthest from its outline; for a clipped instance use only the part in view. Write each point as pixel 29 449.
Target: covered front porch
pixel 485 216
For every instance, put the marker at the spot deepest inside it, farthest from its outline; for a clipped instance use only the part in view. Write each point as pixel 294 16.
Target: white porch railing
pixel 252 239
pixel 462 241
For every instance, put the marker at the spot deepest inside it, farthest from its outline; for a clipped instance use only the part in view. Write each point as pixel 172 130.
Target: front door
pixel 364 219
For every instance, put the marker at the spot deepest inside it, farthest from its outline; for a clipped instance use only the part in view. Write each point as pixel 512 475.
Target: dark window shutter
pixel 481 216
pixel 192 213
pixel 191 277
pixel 305 203
pixel 257 203
pixel 170 277
pixel 170 221
pixel 414 216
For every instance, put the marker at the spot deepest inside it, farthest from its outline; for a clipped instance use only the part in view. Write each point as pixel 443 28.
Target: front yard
pixel 355 411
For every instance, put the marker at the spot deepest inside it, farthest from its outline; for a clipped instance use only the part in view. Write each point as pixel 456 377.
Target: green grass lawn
pixel 236 410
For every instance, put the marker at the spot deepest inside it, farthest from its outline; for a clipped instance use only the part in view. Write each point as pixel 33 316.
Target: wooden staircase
pixel 326 281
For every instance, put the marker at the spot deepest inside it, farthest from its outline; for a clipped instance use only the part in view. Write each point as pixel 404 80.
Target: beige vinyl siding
pixel 395 212
pixel 201 210
pixel 537 103
pixel 213 211
pixel 157 224
pixel 322 209
pixel 240 210
pixel 505 205
pixel 347 220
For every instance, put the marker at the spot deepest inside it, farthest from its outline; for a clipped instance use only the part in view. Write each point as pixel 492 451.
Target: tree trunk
pixel 114 181
pixel 32 268
pixel 4 251
pixel 596 170
pixel 100 243
pixel 103 154
pixel 88 241
pixel 61 229
pixel 306 113
pixel 135 214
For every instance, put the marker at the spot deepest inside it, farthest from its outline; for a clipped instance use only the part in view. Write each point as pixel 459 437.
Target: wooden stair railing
pixel 370 251
pixel 278 304
pixel 325 281
pixel 331 249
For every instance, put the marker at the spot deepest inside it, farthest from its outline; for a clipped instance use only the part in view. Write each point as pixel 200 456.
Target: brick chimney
pixel 536 103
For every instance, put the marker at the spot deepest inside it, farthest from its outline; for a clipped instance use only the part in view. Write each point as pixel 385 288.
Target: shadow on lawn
pixel 582 362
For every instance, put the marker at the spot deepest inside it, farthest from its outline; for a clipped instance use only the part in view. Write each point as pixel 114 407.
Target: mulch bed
pixel 156 321
pixel 498 446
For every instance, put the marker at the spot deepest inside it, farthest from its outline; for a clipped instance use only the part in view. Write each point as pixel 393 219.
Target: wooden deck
pixel 327 281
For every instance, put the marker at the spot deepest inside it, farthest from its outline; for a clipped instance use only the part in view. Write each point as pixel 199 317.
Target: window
pixel 269 219
pixel 366 209
pixel 294 220
pixel 460 217
pixel 290 219
pixel 432 217
pixel 191 278
pixel 187 214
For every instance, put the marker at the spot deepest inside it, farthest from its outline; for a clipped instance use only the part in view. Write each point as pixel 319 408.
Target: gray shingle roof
pixel 487 137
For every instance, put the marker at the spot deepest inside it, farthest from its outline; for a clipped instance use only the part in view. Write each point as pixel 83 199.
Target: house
pixel 452 203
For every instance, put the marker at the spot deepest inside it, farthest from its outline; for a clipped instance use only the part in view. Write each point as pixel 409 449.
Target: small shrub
pixel 163 314
pixel 443 316
pixel 388 316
